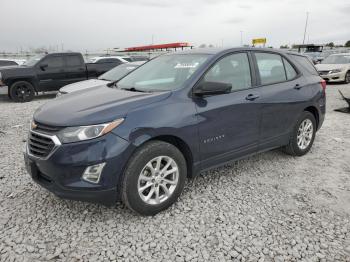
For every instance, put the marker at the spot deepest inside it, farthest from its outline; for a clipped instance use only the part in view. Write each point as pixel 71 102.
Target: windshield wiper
pixel 133 89
pixel 104 79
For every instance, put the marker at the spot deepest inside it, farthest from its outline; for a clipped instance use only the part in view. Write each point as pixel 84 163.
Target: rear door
pixel 283 97
pixel 50 72
pixel 75 69
pixel 229 123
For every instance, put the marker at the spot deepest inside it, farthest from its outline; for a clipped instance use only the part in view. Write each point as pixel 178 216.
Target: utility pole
pixel 241 38
pixel 307 19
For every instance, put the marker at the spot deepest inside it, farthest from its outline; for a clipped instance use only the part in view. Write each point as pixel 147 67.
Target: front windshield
pixel 337 59
pixel 117 72
pixel 33 60
pixel 163 73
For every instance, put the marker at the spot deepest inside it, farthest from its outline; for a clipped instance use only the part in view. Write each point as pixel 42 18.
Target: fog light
pixel 93 173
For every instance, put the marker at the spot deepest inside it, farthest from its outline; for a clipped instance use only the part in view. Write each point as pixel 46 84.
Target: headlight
pixel 81 133
pixel 336 70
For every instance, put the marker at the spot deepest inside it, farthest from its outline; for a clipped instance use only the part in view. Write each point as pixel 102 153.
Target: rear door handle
pixel 252 97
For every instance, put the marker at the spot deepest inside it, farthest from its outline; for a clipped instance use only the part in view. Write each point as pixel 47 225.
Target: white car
pixel 335 68
pixel 11 62
pixel 110 76
pixel 110 59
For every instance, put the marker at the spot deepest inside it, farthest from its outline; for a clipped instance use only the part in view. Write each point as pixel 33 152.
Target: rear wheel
pixel 303 135
pixel 22 91
pixel 154 178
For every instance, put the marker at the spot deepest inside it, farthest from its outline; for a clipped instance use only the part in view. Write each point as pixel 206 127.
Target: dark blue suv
pixel 138 140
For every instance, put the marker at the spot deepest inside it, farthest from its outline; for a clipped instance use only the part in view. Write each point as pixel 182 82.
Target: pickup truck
pixel 49 72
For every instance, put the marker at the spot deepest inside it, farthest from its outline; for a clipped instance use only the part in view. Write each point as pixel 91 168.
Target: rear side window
pixel 73 60
pixel 305 64
pixel 54 61
pixel 290 71
pixel 233 69
pixel 270 68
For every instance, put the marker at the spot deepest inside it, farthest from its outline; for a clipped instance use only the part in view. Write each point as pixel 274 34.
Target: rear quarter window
pixel 304 64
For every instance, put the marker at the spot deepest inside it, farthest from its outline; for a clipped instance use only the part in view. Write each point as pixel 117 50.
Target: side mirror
pixel 212 88
pixel 43 66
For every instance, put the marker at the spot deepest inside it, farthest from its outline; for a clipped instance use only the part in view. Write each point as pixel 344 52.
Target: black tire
pixel 22 91
pixel 293 148
pixel 136 164
pixel 8 93
pixel 347 78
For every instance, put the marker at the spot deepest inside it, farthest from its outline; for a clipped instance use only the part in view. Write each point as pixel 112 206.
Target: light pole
pixel 307 19
pixel 241 38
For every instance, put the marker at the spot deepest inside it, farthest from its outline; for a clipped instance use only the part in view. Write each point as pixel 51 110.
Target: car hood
pixel 82 85
pixel 327 67
pixel 11 71
pixel 93 106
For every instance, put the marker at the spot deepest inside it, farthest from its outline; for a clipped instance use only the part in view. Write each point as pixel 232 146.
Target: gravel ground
pixel 270 207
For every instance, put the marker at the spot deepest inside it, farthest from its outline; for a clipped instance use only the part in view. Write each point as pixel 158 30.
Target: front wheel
pixel 21 91
pixel 303 135
pixel 154 178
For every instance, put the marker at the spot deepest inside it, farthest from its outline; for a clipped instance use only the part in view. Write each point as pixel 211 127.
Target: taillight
pixel 323 84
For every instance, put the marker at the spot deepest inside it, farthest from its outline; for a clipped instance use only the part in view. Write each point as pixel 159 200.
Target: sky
pixel 94 25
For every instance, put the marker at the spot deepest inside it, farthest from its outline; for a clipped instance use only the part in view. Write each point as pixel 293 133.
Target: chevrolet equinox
pixel 138 140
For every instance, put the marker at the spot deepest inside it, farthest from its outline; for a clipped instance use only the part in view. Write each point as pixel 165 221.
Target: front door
pixel 51 73
pixel 229 123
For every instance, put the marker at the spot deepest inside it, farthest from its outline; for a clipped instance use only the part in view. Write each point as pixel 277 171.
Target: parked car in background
pixel 110 76
pixel 316 57
pixel 335 68
pixel 8 62
pixel 172 118
pixel 48 72
pixel 110 59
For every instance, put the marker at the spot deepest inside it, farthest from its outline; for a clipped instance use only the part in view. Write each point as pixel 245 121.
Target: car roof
pixel 215 51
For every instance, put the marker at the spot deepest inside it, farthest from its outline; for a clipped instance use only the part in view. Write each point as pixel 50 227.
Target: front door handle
pixel 252 97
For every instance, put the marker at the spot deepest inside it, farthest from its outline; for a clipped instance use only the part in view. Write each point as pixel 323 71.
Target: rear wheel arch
pixel 313 110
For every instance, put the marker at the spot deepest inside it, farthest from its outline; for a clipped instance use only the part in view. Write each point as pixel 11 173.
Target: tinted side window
pixel 54 61
pixel 270 68
pixel 305 63
pixel 290 71
pixel 233 69
pixel 73 60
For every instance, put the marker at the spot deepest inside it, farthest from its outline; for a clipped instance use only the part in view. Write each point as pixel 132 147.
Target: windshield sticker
pixel 186 65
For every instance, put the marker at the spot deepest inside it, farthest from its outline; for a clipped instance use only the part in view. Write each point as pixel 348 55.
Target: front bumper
pixel 334 77
pixel 62 172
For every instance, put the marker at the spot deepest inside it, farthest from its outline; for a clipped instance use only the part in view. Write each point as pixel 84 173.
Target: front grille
pixel 47 129
pixel 40 146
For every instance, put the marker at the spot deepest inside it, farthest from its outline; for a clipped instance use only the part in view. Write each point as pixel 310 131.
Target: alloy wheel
pixel 305 134
pixel 158 180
